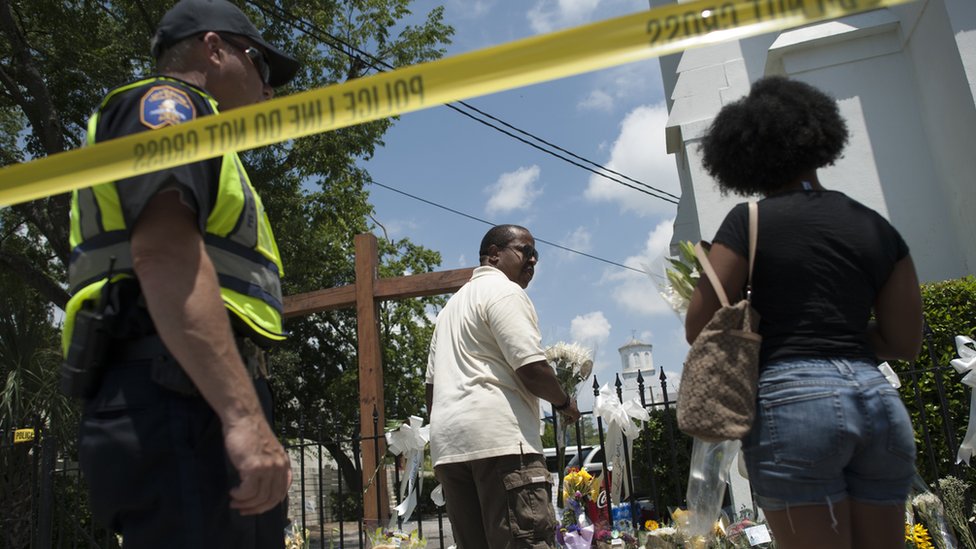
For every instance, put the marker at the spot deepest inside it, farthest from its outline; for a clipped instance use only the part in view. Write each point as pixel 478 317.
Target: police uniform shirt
pixel 154 105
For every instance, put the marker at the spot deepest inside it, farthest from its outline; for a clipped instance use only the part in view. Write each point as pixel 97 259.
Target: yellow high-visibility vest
pixel 238 240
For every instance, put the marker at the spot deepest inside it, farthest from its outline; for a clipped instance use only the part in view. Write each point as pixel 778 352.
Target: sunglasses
pixel 255 55
pixel 527 251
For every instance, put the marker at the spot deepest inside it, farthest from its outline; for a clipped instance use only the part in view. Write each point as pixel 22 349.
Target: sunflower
pixel 919 536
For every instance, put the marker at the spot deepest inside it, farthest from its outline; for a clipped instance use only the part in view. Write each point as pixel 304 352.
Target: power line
pixel 574 155
pixel 331 41
pixel 486 222
pixel 574 163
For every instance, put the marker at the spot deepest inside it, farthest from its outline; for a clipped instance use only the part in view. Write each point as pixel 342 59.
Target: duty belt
pixel 152 348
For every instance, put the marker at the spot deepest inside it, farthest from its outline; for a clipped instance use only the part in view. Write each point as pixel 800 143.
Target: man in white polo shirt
pixel 486 372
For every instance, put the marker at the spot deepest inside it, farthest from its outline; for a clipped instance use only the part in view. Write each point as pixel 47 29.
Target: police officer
pixel 181 270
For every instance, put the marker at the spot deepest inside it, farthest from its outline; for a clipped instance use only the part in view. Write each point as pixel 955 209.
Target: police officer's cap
pixel 189 17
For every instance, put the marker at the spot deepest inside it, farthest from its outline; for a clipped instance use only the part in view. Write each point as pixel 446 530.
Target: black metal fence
pixel 42 483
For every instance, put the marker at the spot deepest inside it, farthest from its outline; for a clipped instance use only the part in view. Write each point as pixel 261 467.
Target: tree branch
pixel 35 278
pixel 37 105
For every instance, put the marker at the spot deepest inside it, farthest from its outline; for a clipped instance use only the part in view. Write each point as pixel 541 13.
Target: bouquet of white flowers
pixel 573 364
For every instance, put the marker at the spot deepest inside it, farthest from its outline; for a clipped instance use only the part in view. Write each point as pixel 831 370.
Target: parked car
pixel 592 462
pixel 571 451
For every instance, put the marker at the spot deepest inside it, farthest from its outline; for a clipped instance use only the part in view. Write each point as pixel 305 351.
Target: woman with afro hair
pixel 831 453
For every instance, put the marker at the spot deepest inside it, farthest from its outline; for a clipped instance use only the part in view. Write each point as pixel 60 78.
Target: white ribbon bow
pixel 966 363
pixel 618 420
pixel 410 439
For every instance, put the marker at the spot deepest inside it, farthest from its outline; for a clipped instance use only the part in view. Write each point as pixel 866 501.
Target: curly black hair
pixel 782 129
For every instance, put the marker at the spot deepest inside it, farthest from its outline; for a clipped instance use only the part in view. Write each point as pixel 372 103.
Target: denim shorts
pixel 827 430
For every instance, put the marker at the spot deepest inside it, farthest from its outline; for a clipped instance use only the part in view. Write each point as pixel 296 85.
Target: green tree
pixel 950 310
pixel 58 58
pixel 29 378
pixel 661 459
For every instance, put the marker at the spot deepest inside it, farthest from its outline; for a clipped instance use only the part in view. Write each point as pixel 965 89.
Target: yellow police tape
pixel 23 435
pixel 659 31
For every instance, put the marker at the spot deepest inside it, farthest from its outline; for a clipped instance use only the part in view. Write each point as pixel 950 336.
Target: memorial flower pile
pixel 387 539
pixel 744 532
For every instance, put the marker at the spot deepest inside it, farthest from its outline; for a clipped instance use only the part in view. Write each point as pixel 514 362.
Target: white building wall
pixel 904 80
pixel 942 51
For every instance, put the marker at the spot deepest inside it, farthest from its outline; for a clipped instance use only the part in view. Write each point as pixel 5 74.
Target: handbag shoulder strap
pixel 753 236
pixel 710 272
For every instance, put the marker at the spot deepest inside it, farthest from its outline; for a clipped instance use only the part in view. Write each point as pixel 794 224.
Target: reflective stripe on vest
pixel 238 239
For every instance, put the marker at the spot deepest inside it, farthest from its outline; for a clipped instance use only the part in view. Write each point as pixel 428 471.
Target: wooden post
pixel 376 498
pixel 365 295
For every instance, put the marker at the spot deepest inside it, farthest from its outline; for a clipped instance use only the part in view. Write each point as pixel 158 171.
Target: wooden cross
pixel 366 295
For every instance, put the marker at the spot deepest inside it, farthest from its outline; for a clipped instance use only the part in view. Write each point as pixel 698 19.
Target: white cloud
pixel 513 191
pixel 549 15
pixel 635 291
pixel 591 329
pixel 639 152
pixel 598 100
pixel 627 84
pixel 580 240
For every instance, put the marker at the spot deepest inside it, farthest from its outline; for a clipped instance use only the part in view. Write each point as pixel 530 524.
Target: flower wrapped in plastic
pixel 736 532
pixel 611 538
pixel 710 460
pixel 676 277
pixel 580 490
pixel 665 537
pixel 744 532
pixel 707 478
pixel 573 364
pixel 294 537
pixel 932 513
pixel 387 539
pixel 575 536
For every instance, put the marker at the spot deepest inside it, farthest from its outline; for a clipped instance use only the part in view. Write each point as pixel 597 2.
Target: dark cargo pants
pixel 499 503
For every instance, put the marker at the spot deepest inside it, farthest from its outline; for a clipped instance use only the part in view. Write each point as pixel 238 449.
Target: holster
pixel 82 367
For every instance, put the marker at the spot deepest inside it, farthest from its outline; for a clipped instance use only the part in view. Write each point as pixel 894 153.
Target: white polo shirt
pixel 481 409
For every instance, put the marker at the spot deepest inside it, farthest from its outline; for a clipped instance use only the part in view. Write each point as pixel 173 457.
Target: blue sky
pixel 614 117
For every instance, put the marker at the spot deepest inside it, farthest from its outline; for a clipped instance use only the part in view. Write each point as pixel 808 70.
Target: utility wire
pixel 571 153
pixel 330 40
pixel 486 222
pixel 574 163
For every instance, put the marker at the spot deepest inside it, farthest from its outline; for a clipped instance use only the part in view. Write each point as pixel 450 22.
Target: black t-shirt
pixel 821 259
pixel 153 105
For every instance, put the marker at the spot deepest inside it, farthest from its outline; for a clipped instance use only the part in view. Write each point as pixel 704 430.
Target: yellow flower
pixel 919 536
pixel 681 518
pixel 651 525
pixel 577 480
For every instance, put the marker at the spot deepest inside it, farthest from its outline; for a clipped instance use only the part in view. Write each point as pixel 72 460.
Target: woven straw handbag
pixel 717 396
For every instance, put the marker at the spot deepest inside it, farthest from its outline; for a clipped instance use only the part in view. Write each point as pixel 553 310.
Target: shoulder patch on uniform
pixel 165 106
